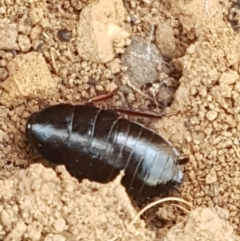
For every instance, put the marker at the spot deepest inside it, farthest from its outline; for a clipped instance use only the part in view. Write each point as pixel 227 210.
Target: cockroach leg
pixel 182 160
pixel 43 103
pixel 100 98
pixel 137 112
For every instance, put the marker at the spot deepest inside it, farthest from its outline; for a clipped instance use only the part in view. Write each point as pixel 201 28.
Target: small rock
pixel 211 177
pixel 213 189
pixel 107 74
pixel 36 32
pixel 25 79
pixel 147 1
pixel 223 213
pixel 58 237
pixel 3 10
pixel 114 67
pixel 212 115
pixel 141 60
pixel 133 19
pixel 24 43
pixel 77 4
pixel 25 25
pixel 8 35
pixel 165 40
pixel 3 73
pixel 5 218
pixel 164 91
pixel 36 15
pixel 59 225
pixel 100 29
pixel 229 78
pixel 111 87
pixel 181 95
pixel 64 35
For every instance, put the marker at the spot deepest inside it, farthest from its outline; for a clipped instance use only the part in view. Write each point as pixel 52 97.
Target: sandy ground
pixel 69 51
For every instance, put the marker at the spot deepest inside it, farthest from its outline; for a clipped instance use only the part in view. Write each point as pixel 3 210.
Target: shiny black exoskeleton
pixel 97 144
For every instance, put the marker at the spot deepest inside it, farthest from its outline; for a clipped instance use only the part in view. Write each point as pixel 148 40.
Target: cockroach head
pixel 28 128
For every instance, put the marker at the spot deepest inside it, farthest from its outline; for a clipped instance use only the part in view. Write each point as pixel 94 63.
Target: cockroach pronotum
pixel 96 144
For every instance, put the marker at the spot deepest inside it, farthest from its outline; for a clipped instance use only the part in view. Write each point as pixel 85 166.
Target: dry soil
pixel 70 51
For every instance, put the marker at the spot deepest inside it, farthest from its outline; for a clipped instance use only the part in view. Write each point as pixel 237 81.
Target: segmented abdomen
pixel 127 145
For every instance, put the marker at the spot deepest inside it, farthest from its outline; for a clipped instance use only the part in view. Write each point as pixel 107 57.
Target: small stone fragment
pixel 100 29
pixel 77 4
pixel 229 78
pixel 133 19
pixel 5 218
pixel 59 225
pixel 223 213
pixel 27 80
pixel 164 91
pixel 36 32
pixel 165 40
pixel 58 237
pixel 211 177
pixel 142 59
pixel 3 73
pixel 64 35
pixel 25 25
pixel 213 189
pixel 8 35
pixel 114 67
pixel 24 43
pixel 36 15
pixel 211 115
pixel 147 1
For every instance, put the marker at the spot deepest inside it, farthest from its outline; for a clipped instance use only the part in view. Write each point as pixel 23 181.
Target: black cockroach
pixel 96 144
